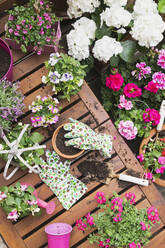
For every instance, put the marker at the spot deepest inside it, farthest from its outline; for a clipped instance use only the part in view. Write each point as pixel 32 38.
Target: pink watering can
pixel 49 206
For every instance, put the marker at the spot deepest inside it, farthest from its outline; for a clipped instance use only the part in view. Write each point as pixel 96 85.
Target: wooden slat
pixel 157 241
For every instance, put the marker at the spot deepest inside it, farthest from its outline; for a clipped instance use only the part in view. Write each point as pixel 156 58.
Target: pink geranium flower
pixel 132 245
pixel 124 103
pixel 161 59
pixel 159 78
pixel 152 87
pixel 151 115
pixel 127 129
pixel 114 82
pixel 143 70
pixel 100 197
pixel 161 160
pixel 131 90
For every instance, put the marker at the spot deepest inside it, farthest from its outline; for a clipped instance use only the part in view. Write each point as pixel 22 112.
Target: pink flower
pixel 100 197
pixel 130 196
pixel 89 219
pixel 131 90
pixel 48 39
pixel 143 226
pixel 138 245
pixel 152 87
pixel 13 215
pixel 160 170
pixel 159 78
pixel 33 202
pixel 18 27
pixel 10 30
pixel 153 215
pixel 161 160
pixel 41 2
pixel 25 31
pixel 48 26
pixel 141 157
pixel 106 246
pixel 107 240
pixel 11 18
pixel 23 22
pixel 148 175
pixel 16 33
pixel 132 245
pixel 127 129
pixel 151 115
pixel 161 59
pixel 143 70
pixel 2 196
pixel 39 52
pixel 124 103
pixel 23 187
pixel 42 31
pixel 101 243
pixel 114 82
pixel 30 26
pixel 80 225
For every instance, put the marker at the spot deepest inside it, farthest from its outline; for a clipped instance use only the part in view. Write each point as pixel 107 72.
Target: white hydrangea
pixel 78 44
pixel 116 16
pixel 148 29
pixel 78 7
pixel 105 48
pixel 88 25
pixel 117 2
pixel 143 7
pixel 121 31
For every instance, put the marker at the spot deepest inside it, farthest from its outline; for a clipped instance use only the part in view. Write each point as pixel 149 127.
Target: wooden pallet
pixel 29 232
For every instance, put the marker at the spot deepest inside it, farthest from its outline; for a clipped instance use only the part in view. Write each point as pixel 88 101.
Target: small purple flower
pixel 54 77
pixel 23 187
pixel 13 215
pixel 11 18
pixel 66 77
pixel 10 30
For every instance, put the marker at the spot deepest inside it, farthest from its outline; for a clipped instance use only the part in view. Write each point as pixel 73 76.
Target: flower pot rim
pixel 57 150
pixel 145 141
pixel 8 74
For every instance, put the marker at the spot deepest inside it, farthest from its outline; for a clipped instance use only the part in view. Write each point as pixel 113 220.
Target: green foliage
pixel 129 53
pixel 15 198
pixel 28 140
pixel 161 6
pixel 65 64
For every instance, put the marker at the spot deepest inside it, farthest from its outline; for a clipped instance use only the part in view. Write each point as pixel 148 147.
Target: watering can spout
pixel 49 206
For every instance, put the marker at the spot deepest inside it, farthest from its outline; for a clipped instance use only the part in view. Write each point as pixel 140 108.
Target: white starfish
pixel 16 152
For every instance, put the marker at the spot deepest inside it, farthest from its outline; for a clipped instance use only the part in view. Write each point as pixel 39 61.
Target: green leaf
pixel 36 137
pixel 161 6
pixel 114 61
pixel 36 160
pixel 129 51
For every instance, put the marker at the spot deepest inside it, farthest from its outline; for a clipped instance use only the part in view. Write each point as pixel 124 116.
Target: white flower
pixel 80 82
pixel 1 147
pixel 121 31
pixel 35 210
pixel 38 97
pixel 117 2
pixel 36 108
pixel 144 7
pixel 148 29
pixel 54 77
pixel 78 7
pixel 78 44
pixel 89 26
pixel 52 61
pixel 105 48
pixel 43 79
pixel 115 16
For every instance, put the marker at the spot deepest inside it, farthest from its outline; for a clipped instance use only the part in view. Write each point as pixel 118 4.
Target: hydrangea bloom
pixel 124 103
pixel 115 16
pixel 116 2
pixel 131 90
pixel 151 115
pixel 105 48
pixel 159 78
pixel 127 129
pixel 114 82
pixel 144 7
pixel 88 26
pixel 161 59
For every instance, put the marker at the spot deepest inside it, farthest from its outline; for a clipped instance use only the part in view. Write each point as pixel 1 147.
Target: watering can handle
pixel 7 167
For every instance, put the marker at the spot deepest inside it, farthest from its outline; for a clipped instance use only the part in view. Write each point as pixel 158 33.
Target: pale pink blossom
pixel 161 160
pixel 159 78
pixel 33 202
pixel 143 70
pixel 127 129
pixel 13 215
pixel 2 196
pixel 23 187
pixel 124 103
pixel 161 59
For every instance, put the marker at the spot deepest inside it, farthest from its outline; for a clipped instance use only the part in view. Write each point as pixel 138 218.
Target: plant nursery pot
pixel 71 153
pixel 58 235
pixel 145 141
pixel 9 72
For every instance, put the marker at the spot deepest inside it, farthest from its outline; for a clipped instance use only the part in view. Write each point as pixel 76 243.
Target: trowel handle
pixel 135 180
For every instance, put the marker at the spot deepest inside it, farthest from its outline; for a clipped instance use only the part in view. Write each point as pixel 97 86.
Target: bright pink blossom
pixel 16 33
pixel 89 219
pixel 101 243
pixel 131 90
pixel 152 87
pixel 130 197
pixel 11 18
pixel 127 129
pixel 114 82
pixel 161 160
pixel 159 78
pixel 100 197
pixel 25 31
pixel 153 215
pixel 143 226
pixel 160 170
pixel 13 215
pixel 18 27
pixel 151 115
pixel 132 245
pixel 148 175
pixel 10 30
pixel 124 103
pixel 80 225
pixel 143 70
pixel 161 59
pixel 141 157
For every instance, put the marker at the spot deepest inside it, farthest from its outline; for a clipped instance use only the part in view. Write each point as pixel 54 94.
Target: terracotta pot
pixel 145 141
pixel 67 156
pixel 9 73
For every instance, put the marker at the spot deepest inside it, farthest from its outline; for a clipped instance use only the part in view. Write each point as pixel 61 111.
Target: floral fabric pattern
pixel 56 175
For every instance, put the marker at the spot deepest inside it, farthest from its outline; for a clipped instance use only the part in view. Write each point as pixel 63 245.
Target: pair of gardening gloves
pixel 83 137
pixel 56 175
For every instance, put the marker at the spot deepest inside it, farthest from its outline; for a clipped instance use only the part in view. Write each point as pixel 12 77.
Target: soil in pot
pixel 4 62
pixel 60 143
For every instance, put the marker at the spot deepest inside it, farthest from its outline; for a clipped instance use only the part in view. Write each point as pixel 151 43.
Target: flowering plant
pixel 45 111
pixel 153 158
pixel 119 223
pixel 102 24
pixel 65 74
pixel 32 25
pixel 11 104
pixel 135 92
pixel 18 201
pixel 28 140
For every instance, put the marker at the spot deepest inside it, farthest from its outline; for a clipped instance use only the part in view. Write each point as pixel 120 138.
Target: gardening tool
pixel 83 137
pixel 111 174
pixel 162 116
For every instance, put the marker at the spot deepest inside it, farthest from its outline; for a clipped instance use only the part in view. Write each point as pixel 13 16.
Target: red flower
pixel 152 87
pixel 162 139
pixel 132 90
pixel 114 82
pixel 163 152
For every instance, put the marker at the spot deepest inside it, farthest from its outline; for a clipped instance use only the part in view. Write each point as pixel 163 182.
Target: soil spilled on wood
pixel 4 62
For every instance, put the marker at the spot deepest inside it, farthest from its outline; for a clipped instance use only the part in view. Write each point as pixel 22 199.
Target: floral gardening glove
pixel 83 137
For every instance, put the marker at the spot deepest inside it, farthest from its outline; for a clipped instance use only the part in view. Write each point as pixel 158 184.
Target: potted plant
pixel 152 156
pixel 18 201
pixel 33 27
pixel 119 223
pixel 58 143
pixel 6 58
pixel 65 75
pixel 11 104
pixel 45 111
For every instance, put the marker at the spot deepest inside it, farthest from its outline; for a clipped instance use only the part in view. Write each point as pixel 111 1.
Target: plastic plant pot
pixel 58 235
pixel 145 141
pixel 54 141
pixel 9 73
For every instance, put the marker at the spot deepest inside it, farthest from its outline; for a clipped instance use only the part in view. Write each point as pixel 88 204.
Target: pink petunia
pixel 13 215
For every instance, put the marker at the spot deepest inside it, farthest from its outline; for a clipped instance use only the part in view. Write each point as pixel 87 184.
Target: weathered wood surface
pixel 29 232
